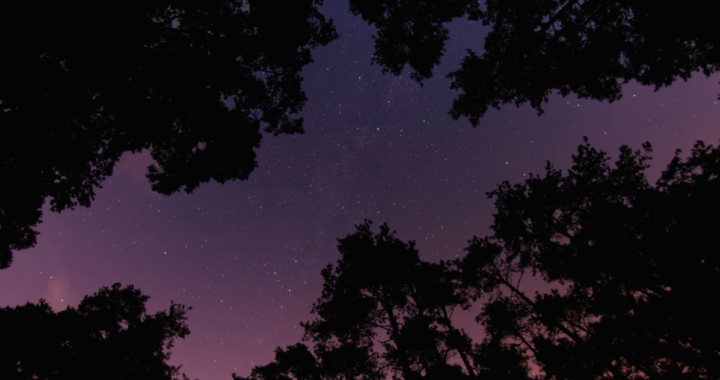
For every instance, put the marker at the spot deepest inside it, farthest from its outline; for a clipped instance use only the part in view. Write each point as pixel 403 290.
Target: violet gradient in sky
pixel 247 255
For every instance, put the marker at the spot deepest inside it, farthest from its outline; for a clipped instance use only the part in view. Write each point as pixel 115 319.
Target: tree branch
pixel 557 16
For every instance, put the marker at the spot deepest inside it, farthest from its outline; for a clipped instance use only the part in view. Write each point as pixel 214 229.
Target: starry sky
pixel 247 255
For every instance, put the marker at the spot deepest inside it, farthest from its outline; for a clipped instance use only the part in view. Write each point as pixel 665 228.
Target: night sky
pixel 247 255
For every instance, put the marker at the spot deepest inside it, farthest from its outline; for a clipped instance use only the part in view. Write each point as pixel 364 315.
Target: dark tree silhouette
pixel 639 261
pixel 380 290
pixel 109 335
pixel 589 48
pixel 410 32
pixel 193 82
pixel 295 362
pixel 381 293
pixel 347 362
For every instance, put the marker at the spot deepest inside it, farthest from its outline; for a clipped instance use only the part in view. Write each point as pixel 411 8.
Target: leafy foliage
pixel 193 82
pixel 298 363
pixel 589 48
pixel 381 296
pixel 410 32
pixel 109 335
pixel 638 261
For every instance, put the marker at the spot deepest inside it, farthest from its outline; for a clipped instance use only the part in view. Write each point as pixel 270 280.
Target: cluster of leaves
pixel 639 261
pixel 636 265
pixel 410 32
pixel 109 335
pixel 84 82
pixel 586 47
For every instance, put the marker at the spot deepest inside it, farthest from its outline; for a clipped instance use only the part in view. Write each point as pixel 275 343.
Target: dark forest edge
pixel 72 101
pixel 639 265
pixel 109 335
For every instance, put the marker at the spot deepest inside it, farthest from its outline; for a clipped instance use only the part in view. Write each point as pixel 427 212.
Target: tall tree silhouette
pixel 193 82
pixel 381 293
pixel 639 261
pixel 380 290
pixel 589 48
pixel 109 335
pixel 296 362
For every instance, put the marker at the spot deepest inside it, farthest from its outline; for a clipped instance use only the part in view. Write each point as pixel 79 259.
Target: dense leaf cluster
pixel 83 82
pixel 109 335
pixel 537 47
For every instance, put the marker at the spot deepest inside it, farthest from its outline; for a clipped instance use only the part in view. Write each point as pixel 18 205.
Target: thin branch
pixel 557 16
pixel 520 279
pixel 571 334
pixel 527 344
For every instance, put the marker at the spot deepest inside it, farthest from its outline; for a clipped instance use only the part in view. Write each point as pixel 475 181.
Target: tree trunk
pixel 576 338
pixel 456 335
pixel 402 352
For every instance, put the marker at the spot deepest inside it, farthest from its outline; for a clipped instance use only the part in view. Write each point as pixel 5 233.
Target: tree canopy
pixel 109 335
pixel 633 267
pixel 586 47
pixel 639 262
pixel 192 82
